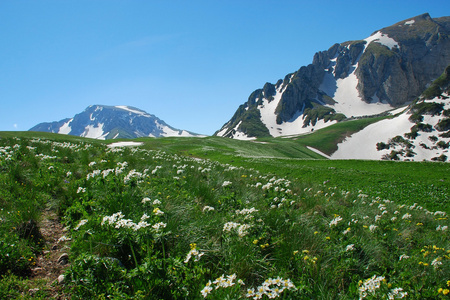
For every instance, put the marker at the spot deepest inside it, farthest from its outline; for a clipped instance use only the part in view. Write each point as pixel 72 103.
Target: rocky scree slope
pixel 390 68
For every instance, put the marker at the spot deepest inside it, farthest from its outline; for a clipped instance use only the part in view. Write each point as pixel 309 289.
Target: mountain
pixel 421 131
pixel 389 69
pixel 112 122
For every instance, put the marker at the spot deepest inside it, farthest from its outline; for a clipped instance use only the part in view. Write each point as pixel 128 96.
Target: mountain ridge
pixel 388 69
pixel 112 122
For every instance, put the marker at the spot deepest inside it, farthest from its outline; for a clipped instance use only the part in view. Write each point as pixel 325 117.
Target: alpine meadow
pixel 215 218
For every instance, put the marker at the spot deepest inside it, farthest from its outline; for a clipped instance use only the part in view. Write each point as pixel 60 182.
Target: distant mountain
pixel 112 122
pixel 389 69
pixel 420 132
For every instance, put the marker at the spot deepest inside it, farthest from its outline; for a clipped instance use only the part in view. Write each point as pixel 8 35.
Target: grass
pixel 185 218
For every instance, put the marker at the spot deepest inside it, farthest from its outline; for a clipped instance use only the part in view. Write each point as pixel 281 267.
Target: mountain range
pixel 112 122
pixel 400 72
pixel 386 70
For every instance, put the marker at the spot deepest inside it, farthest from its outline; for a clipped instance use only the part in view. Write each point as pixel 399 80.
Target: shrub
pixel 443 145
pixel 433 138
pixel 443 125
pixel 445 134
pixel 412 135
pixel 427 108
pixel 416 118
pixel 382 146
pixel 422 127
pixel 442 158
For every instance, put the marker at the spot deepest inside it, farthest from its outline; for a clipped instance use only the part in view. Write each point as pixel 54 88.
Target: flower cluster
pixel 117 220
pixel 226 183
pixel 372 284
pixel 241 228
pixel 208 208
pixel 221 282
pixel 335 221
pixel 193 253
pixel 272 288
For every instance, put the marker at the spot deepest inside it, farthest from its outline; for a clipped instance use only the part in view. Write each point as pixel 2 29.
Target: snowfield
pixel 362 145
pixel 124 144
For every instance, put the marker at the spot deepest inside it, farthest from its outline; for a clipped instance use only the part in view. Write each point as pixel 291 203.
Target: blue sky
pixel 190 63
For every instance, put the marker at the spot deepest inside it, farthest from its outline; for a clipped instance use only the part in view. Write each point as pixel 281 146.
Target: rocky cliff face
pixel 400 74
pixel 390 68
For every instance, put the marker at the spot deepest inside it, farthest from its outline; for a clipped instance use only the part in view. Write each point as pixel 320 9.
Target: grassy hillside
pixel 189 218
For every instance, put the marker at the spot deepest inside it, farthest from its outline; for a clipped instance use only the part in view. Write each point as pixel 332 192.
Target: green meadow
pixel 215 218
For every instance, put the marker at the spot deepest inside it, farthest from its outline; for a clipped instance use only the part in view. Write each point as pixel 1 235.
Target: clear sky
pixel 191 63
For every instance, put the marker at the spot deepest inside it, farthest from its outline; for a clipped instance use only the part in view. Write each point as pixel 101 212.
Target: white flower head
pixel 335 221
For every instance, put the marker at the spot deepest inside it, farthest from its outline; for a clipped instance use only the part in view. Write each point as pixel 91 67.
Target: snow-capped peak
pixel 112 122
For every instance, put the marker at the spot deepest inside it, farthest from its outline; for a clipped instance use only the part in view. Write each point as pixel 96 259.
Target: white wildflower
pixel 158 212
pixel 406 216
pixel 206 290
pixel 403 256
pixel 81 190
pixel 226 183
pixel 335 221
pixel 159 225
pixel 370 285
pixel 436 262
pixel 146 199
pixel 397 293
pixel 208 208
pixel 81 223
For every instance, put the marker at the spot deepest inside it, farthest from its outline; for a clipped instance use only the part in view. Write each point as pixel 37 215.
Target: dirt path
pixel 53 261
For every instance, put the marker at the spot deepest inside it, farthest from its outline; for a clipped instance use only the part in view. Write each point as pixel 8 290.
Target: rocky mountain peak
pixel 390 68
pixel 112 122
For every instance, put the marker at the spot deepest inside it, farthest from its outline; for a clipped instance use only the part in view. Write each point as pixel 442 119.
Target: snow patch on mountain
pixel 383 39
pixel 124 144
pixel 344 90
pixel 94 132
pixel 363 144
pixel 65 129
pixel 133 110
